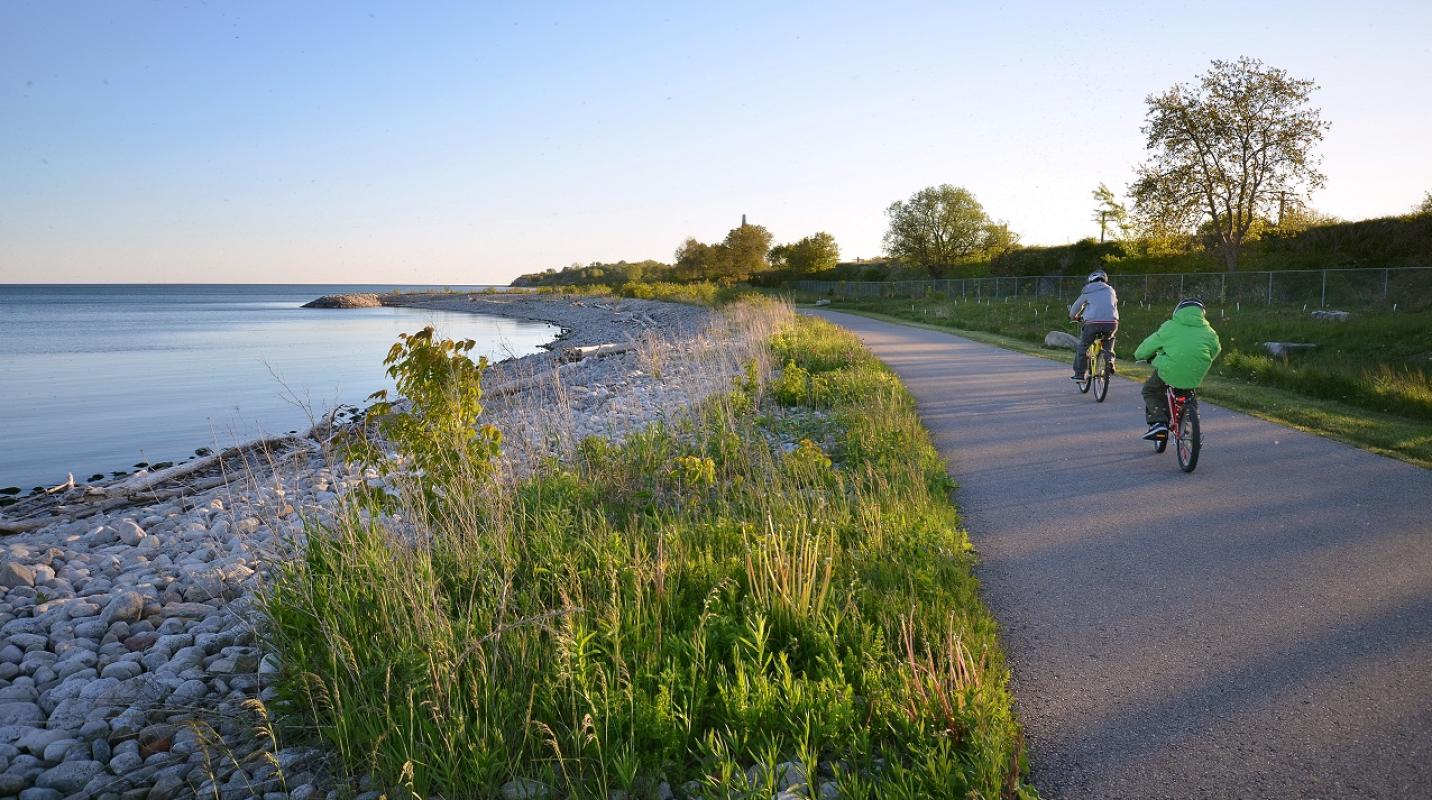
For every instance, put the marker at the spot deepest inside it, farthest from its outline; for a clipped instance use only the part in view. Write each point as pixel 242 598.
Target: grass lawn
pixel 776 587
pixel 1368 383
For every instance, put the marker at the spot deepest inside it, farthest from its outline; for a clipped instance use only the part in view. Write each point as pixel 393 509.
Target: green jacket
pixel 1183 348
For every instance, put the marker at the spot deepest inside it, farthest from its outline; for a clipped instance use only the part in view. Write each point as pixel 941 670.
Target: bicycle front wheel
pixel 1190 440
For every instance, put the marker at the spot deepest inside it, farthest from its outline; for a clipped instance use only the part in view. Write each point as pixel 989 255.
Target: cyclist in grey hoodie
pixel 1098 308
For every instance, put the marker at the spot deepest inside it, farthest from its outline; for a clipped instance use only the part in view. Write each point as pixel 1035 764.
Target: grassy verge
pixel 775 588
pixel 1367 384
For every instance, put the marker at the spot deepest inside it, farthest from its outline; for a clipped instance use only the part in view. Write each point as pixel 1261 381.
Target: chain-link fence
pixel 1406 287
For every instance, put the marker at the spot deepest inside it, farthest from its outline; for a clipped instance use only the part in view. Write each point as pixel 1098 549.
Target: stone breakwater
pixel 362 300
pixel 131 647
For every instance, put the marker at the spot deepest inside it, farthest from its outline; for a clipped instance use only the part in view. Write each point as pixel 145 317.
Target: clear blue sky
pixel 463 142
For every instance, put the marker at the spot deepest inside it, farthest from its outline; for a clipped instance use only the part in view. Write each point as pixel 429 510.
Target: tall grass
pixel 1379 360
pixel 690 607
pixel 702 293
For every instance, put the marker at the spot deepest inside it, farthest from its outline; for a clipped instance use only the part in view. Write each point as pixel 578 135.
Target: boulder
pixel 1061 340
pixel 124 606
pixel 1285 349
pixel 129 532
pixel 13 574
pixel 1331 316
pixel 359 300
pixel 525 789
pixel 69 777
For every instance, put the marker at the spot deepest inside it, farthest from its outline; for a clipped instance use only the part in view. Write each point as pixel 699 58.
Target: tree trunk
pixel 1230 256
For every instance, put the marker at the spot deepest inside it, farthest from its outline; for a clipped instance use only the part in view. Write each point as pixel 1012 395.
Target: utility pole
pixel 1282 205
pixel 1103 217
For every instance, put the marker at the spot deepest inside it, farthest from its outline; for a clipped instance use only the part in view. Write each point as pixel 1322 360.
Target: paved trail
pixel 1261 628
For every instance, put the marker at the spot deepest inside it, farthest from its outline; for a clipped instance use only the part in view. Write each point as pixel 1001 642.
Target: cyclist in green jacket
pixel 1182 350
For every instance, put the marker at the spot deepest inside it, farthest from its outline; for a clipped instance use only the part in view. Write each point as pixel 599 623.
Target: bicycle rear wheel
pixel 1100 377
pixel 1190 439
pixel 1088 375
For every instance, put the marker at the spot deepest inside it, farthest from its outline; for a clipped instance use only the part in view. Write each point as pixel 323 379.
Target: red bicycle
pixel 1183 427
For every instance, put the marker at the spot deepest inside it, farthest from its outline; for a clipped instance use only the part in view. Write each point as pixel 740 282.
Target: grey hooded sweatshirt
pixel 1097 303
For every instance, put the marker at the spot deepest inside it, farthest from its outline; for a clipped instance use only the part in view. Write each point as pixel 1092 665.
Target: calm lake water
pixel 95 379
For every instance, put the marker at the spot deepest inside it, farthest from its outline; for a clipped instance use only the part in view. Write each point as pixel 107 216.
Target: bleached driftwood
pixel 146 481
pixel 8 527
pixel 64 487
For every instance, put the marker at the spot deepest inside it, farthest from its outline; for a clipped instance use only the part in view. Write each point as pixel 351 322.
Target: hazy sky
pixel 466 142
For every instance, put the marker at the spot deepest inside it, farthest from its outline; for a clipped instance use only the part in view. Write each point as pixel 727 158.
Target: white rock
pixel 13 574
pixel 129 532
pixel 525 789
pixel 125 606
pixel 1061 340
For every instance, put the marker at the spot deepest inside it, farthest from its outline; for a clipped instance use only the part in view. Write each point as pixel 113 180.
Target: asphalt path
pixel 1260 628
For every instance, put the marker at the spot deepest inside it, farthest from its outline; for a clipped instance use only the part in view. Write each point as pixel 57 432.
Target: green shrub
pixel 437 432
pixel 792 387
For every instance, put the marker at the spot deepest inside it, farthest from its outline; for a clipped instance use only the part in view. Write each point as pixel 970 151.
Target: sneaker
pixel 1111 367
pixel 1079 378
pixel 1157 431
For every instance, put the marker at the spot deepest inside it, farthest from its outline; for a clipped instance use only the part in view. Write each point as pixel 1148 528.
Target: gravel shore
pixel 132 657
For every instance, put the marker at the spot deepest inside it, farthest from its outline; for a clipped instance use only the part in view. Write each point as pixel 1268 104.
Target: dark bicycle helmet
pixel 1189 301
pixel 1099 275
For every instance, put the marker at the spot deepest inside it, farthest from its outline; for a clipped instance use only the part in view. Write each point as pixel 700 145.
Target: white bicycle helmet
pixel 1098 275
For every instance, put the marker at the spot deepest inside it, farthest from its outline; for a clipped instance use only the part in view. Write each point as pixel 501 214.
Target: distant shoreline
pixel 582 322
pixel 116 434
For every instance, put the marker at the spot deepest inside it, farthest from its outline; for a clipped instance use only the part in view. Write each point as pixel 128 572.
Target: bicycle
pixel 1096 374
pixel 1183 427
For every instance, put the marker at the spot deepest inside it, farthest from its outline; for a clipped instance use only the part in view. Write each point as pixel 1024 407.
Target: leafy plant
pixel 437 429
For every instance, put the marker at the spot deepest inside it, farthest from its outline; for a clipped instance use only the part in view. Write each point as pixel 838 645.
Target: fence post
pixel 1385 275
pixel 1180 286
pixel 1270 288
pixel 1325 290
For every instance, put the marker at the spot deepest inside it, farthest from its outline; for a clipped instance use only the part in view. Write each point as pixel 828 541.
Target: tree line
pixel 746 253
pixel 1230 159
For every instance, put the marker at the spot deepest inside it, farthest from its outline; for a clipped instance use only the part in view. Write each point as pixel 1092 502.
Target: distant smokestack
pixel 743 220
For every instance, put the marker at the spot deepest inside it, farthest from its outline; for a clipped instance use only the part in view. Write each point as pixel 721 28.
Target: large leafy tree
pixel 737 257
pixel 943 225
pixel 744 251
pixel 1227 151
pixel 813 253
pixel 696 260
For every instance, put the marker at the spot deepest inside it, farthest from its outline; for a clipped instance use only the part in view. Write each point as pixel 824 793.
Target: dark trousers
pixel 1155 400
pixel 1091 330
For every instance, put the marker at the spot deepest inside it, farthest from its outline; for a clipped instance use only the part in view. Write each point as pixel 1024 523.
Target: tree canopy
pixel 1424 207
pixel 739 256
pixel 1226 152
pixel 940 226
pixel 815 253
pixel 597 272
pixel 1112 216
